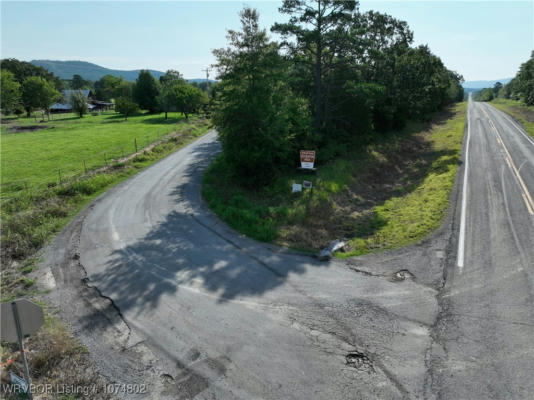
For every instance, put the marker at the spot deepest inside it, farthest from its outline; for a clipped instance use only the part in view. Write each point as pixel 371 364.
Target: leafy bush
pixel 126 107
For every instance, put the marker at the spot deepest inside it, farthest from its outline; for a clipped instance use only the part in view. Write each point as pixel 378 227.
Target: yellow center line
pixel 527 198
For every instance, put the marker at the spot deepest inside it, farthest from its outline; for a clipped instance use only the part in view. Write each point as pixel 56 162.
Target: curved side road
pixel 210 314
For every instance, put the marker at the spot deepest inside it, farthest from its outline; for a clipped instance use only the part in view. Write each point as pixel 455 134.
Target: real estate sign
pixel 307 159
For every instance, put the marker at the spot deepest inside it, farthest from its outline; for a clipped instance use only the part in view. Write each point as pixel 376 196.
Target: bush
pixel 126 107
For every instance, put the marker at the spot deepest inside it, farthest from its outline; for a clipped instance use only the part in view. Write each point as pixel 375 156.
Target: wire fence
pixel 87 166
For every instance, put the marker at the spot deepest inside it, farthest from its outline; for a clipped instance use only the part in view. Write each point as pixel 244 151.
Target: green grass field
pixel 32 212
pixel 68 141
pixel 519 110
pixel 389 193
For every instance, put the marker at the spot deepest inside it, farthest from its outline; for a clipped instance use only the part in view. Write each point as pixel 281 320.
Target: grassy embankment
pixel 35 206
pixel 390 193
pixel 519 110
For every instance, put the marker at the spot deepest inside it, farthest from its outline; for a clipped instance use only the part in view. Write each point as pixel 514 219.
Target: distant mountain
pixel 87 70
pixel 484 84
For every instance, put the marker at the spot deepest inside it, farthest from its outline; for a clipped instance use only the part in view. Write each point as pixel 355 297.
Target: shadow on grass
pixel 160 120
pixel 152 119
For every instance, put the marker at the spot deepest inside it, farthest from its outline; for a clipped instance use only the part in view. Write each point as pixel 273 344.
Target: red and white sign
pixel 307 158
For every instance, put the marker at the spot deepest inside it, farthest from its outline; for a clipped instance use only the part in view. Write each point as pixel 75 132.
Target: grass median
pixel 390 193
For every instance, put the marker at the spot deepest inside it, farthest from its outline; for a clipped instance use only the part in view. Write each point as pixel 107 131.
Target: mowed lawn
pixel 68 141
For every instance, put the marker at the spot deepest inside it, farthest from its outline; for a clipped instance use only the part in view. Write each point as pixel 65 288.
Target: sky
pixel 482 40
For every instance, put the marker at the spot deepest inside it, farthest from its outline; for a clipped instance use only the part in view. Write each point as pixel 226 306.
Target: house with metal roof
pixel 92 103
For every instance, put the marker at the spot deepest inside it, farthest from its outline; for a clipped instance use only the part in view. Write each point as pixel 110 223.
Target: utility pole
pixel 207 70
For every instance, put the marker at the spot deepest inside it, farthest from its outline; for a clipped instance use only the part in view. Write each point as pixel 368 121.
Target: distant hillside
pixel 92 72
pixel 484 84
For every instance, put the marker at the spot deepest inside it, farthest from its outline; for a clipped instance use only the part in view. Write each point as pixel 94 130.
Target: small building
pixel 92 103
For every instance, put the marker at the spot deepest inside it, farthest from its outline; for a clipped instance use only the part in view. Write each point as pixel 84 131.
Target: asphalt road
pixel 486 324
pixel 225 317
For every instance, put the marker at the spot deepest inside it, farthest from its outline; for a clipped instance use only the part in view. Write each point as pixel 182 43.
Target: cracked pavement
pixel 164 293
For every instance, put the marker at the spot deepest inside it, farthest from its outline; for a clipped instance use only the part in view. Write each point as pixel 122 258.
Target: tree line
pixel 337 77
pixel 520 88
pixel 27 88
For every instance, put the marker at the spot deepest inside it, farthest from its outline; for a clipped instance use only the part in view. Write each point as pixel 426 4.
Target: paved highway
pixel 486 324
pixel 229 318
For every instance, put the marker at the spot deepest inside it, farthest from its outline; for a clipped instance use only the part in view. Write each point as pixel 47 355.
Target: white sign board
pixel 30 315
pixel 297 187
pixel 307 159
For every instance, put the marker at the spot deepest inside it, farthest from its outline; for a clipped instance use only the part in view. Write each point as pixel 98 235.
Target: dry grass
pixel 55 359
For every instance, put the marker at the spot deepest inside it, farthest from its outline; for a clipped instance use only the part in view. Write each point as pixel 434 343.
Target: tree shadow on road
pixel 186 251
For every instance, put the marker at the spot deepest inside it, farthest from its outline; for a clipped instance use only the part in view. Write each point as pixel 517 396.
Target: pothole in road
pixel 358 360
pixel 401 275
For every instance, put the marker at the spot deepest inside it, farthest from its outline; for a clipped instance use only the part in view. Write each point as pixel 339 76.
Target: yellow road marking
pixel 527 198
pixel 530 210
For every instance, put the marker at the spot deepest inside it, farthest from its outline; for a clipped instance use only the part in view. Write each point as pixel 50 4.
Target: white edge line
pixel 461 240
pixel 507 117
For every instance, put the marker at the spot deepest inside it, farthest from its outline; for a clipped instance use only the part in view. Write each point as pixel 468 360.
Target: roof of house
pixel 65 101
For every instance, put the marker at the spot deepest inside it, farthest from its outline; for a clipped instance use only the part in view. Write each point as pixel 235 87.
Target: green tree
pixel 316 35
pixel 422 82
pixel 171 78
pixel 188 99
pixel 23 70
pixel 124 89
pixel 78 102
pixel 78 83
pixel 378 40
pixel 146 91
pixel 456 90
pixel 506 90
pixel 38 93
pixel 9 92
pixel 167 99
pixel 496 88
pixel 126 107
pixel 524 81
pixel 257 118
pixel 484 95
pixel 106 88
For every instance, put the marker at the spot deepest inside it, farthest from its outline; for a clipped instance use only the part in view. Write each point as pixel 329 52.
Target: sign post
pixel 18 319
pixel 21 346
